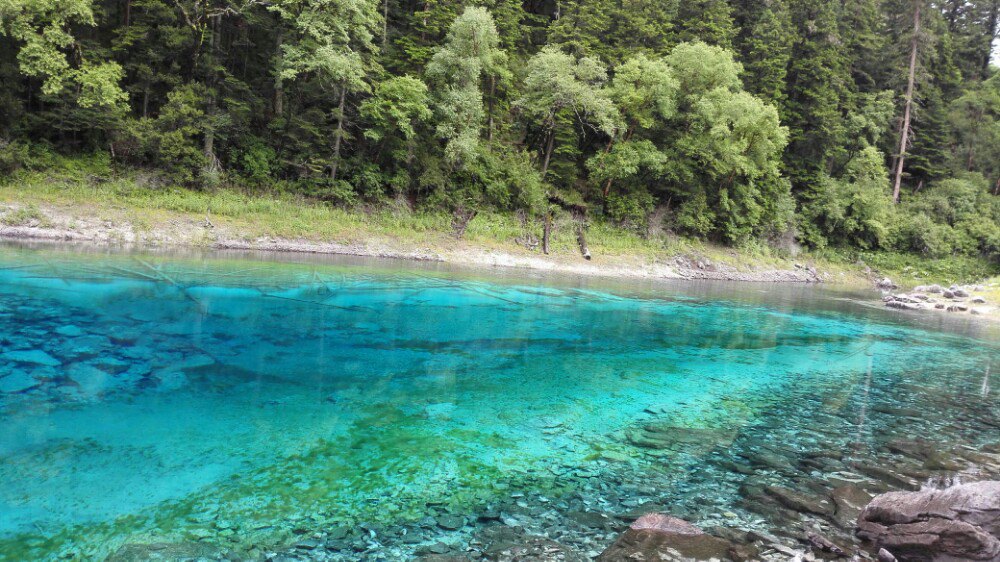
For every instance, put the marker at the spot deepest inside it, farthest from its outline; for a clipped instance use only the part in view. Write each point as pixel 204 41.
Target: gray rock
pixel 885 283
pixel 958 523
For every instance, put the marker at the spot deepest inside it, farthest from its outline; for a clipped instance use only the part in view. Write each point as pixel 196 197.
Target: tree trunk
pixel 493 91
pixel 992 27
pixel 607 184
pixel 278 104
pixel 584 250
pixel 208 147
pixel 611 143
pixel 908 106
pixel 209 142
pixel 548 152
pixel 339 133
pixel 546 232
pixel 385 21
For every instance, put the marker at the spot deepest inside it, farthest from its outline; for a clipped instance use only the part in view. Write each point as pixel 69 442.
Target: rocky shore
pixel 956 299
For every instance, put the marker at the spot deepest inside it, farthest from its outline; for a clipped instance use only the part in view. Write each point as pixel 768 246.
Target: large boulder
pixel 957 523
pixel 656 536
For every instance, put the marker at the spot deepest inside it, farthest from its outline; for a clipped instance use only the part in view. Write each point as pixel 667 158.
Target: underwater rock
pixel 450 522
pixel 590 519
pixel 663 435
pixel 958 523
pixel 18 381
pixel 30 357
pixel 928 453
pixel 88 378
pixel 823 544
pixel 164 551
pixel 85 347
pixel 849 501
pixel 171 380
pixel 69 330
pixel 888 476
pixel 771 460
pixel 657 536
pixel 800 502
pixel 507 544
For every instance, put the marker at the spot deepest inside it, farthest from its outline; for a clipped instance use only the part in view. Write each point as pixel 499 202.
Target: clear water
pixel 244 403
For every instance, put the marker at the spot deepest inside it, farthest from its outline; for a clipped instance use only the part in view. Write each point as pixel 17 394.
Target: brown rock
pixel 959 523
pixel 656 536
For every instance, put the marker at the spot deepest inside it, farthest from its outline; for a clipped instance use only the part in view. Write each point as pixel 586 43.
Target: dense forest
pixel 861 123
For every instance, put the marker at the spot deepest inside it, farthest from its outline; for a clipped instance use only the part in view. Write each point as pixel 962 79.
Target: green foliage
pixel 28 215
pixel 256 160
pixel 471 50
pixel 957 215
pixel 42 28
pixel 709 21
pixel 741 122
pixel 172 141
pixel 700 68
pixel 631 211
pixel 854 209
pixel 559 91
pixel 399 105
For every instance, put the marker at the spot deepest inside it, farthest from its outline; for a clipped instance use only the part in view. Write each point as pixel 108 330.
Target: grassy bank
pixel 75 199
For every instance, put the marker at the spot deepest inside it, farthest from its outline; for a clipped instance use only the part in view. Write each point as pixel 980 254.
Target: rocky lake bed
pixel 827 415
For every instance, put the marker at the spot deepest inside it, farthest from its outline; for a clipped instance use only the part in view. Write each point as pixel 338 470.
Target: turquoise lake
pixel 246 403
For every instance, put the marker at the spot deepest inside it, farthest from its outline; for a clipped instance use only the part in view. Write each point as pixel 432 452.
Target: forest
pixel 817 123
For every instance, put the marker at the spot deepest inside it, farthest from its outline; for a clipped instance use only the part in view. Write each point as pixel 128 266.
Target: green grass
pixel 28 215
pixel 85 189
pixel 910 270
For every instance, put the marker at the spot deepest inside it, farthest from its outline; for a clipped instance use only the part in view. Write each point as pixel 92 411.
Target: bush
pixel 13 157
pixel 256 161
pixel 631 211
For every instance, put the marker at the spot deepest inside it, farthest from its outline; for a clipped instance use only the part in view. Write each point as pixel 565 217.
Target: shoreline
pixel 117 227
pixel 464 254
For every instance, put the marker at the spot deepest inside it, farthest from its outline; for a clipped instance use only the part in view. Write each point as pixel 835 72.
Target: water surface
pixel 244 403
